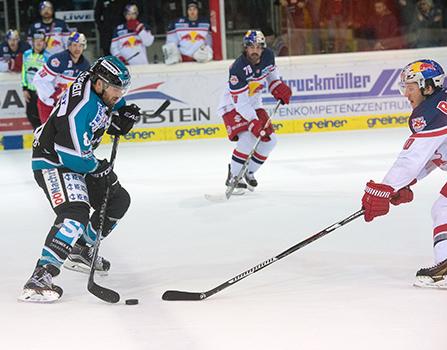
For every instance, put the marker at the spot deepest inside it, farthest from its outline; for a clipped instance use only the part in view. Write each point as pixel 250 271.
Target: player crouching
pixel 241 107
pixel 73 179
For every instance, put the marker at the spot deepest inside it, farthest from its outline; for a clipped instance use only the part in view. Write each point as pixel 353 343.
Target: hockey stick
pixel 180 295
pixel 161 109
pixel 229 191
pixel 103 293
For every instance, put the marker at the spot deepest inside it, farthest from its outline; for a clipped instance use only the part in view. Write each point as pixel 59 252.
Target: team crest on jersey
pixel 101 119
pixel 418 124
pixel 234 80
pixel 55 62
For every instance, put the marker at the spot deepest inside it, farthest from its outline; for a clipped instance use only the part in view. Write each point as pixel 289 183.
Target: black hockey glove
pixel 124 119
pixel 102 175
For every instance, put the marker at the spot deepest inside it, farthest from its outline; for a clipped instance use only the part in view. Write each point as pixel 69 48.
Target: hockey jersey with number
pixel 131 45
pixel 56 34
pixel 246 83
pixel 74 129
pixel 426 148
pixel 189 35
pixel 56 75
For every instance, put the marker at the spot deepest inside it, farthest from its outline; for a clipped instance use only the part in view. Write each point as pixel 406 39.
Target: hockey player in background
pixel 421 82
pixel 73 179
pixel 241 106
pixel 56 30
pixel 11 52
pixel 58 73
pixel 130 39
pixel 189 38
pixel 33 60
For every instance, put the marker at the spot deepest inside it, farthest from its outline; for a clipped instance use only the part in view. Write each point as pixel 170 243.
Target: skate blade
pixel 428 283
pixel 219 198
pixel 82 268
pixel 45 296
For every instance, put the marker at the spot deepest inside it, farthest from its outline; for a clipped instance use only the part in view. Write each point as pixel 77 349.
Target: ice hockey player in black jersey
pixel 73 179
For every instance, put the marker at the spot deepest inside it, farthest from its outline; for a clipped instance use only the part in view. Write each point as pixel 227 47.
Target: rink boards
pixel 330 93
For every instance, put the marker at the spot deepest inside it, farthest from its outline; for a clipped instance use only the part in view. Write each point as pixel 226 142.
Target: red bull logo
pixel 53 43
pixel 132 42
pixel 426 66
pixel 254 87
pixel 193 37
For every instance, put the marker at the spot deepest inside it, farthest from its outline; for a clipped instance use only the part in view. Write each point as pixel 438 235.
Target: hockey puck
pixel 131 301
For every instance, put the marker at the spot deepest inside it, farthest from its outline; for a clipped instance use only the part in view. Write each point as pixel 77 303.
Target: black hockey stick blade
pixel 179 295
pixel 105 294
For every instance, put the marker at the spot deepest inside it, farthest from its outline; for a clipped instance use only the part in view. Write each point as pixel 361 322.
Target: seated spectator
pixel 426 24
pixel 189 38
pixel 11 52
pixel 56 30
pixel 385 28
pixel 130 39
pixel 334 15
pixel 276 43
pixel 33 60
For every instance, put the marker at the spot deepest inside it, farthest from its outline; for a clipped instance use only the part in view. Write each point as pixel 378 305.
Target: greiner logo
pixel 139 135
pixel 324 124
pixel 181 133
pixel 373 122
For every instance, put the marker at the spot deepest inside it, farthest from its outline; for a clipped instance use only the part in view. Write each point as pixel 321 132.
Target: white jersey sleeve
pixel 44 82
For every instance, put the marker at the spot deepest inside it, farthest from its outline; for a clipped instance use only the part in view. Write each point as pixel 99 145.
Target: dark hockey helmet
pixel 112 71
pixel 254 37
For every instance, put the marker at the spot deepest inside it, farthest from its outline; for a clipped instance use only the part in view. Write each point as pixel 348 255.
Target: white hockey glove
pixel 171 53
pixel 203 54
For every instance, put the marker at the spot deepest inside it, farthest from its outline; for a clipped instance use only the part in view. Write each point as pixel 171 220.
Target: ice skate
pixel 251 181
pixel 80 260
pixel 241 185
pixel 40 287
pixel 432 277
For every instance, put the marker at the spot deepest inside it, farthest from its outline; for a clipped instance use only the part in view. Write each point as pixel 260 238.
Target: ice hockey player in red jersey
pixel 421 82
pixel 241 106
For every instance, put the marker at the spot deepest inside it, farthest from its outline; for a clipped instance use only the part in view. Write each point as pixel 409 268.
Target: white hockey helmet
pixel 423 72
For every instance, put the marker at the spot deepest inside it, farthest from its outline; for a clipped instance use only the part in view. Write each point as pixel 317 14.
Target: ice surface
pixel 349 290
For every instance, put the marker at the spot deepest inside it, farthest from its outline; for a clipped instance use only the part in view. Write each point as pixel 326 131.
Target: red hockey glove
pixel 280 91
pixel 404 195
pixel 256 127
pixel 135 25
pixel 376 200
pixel 265 119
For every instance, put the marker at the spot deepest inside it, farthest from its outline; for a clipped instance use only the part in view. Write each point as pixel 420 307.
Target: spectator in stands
pixel 189 38
pixel 60 70
pixel 385 28
pixel 296 26
pixel 108 14
pixel 406 12
pixel 56 30
pixel 11 52
pixel 334 15
pixel 33 60
pixel 131 38
pixel 425 29
pixel 275 42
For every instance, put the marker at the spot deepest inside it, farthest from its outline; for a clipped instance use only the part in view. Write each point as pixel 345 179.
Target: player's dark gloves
pixel 102 175
pixel 124 119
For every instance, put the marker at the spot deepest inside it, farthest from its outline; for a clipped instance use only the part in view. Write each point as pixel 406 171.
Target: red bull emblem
pixel 426 66
pixel 193 37
pixel 418 124
pixel 254 88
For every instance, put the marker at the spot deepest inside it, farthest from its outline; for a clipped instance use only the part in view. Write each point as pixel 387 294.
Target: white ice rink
pixel 349 290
